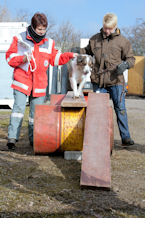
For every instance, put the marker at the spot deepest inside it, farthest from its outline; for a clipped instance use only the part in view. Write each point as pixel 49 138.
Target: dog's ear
pixel 91 60
pixel 79 59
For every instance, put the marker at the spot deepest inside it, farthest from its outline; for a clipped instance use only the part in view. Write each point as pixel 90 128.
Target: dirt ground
pixel 33 186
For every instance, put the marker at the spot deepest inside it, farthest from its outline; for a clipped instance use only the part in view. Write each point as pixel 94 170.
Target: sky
pixel 85 15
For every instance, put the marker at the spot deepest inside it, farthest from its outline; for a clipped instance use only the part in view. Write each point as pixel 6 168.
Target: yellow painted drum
pixel 72 128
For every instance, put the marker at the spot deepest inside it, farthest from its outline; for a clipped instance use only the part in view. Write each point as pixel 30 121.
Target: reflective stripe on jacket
pixel 44 52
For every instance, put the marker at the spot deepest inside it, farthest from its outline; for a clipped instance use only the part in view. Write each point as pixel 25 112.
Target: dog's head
pixel 84 63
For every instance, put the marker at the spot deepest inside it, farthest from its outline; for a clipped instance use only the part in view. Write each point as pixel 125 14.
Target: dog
pixel 79 73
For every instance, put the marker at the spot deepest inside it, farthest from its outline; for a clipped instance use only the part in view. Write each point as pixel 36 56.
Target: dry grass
pixel 49 186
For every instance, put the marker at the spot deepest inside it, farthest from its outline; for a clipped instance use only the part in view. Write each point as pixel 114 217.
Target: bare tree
pixel 136 35
pixel 51 26
pixel 25 16
pixel 22 16
pixel 66 37
pixel 4 14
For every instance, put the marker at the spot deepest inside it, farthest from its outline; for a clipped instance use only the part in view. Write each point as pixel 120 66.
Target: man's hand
pixel 25 59
pixel 122 67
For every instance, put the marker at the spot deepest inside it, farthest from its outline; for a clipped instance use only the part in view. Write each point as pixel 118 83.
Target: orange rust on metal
pixel 47 126
pixel 95 170
pixel 69 101
pixel 72 128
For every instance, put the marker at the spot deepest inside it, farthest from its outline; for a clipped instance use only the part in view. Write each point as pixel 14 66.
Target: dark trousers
pixel 118 97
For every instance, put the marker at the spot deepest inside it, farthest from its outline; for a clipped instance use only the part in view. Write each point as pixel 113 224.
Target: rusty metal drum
pixel 61 129
pixel 57 128
pixel 47 124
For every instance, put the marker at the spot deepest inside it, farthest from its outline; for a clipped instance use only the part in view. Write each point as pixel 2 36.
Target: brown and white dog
pixel 79 72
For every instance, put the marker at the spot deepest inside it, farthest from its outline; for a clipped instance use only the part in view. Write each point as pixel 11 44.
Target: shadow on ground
pixel 135 147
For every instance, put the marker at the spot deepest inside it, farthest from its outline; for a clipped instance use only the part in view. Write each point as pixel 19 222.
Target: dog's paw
pixel 81 94
pixel 76 95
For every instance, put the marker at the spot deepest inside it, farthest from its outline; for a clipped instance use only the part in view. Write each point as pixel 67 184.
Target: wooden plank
pixel 86 91
pixel 69 101
pixel 95 170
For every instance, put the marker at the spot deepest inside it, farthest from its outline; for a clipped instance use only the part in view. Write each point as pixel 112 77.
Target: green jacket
pixel 108 53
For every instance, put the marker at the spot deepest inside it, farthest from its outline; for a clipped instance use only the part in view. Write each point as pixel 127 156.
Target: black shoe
pixel 127 142
pixel 11 144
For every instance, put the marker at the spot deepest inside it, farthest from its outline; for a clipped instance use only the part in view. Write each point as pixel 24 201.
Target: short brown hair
pixel 39 19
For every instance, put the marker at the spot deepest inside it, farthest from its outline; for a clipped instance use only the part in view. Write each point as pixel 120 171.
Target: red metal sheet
pixel 47 124
pixel 96 167
pixel 56 99
pixel 111 128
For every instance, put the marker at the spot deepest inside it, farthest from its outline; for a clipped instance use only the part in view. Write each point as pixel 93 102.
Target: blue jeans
pixel 17 114
pixel 118 97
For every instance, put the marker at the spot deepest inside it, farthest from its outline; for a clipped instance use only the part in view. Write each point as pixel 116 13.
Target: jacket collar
pixel 116 33
pixel 30 38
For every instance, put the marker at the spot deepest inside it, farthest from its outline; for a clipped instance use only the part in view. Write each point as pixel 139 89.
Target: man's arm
pixel 127 57
pixel 127 54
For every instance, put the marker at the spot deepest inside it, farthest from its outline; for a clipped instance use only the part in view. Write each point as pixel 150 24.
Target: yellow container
pixel 72 128
pixel 136 80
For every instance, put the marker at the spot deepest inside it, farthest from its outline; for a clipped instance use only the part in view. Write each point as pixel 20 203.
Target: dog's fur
pixel 79 72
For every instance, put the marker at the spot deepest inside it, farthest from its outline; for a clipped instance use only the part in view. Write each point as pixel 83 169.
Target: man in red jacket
pixel 30 53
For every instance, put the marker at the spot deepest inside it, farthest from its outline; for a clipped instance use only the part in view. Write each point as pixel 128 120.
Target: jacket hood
pixel 116 33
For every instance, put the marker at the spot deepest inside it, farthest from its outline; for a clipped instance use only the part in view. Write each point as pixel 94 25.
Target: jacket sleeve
pixel 12 56
pixel 58 58
pixel 127 53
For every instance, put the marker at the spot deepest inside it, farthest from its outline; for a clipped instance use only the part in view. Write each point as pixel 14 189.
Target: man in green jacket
pixel 113 55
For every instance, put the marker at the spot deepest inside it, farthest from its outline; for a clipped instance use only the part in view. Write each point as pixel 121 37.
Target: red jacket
pixel 44 52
